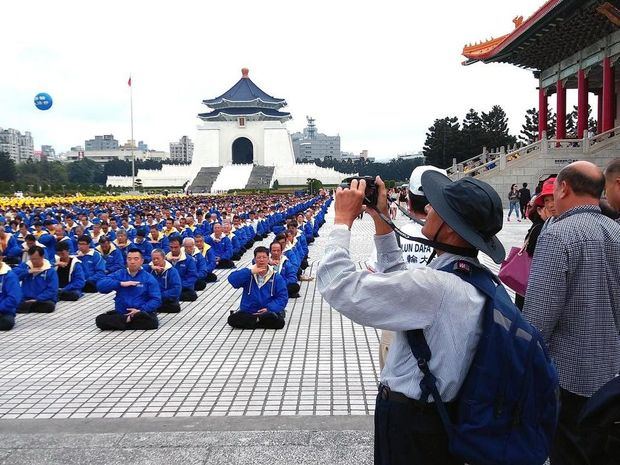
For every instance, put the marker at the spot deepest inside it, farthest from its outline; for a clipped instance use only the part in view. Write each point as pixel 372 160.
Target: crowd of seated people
pixel 153 254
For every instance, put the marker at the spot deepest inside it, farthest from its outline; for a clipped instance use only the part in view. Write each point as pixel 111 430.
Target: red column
pixel 582 103
pixel 542 111
pixel 608 95
pixel 599 113
pixel 560 132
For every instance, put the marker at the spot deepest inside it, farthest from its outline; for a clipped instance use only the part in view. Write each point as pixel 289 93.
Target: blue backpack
pixel 508 406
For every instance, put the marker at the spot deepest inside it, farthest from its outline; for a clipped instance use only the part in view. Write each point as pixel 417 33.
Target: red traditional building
pixel 569 44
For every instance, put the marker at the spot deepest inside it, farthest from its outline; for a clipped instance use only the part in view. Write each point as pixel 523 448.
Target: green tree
pixel 495 125
pixel 529 129
pixel 85 171
pixel 8 172
pixel 473 136
pixel 443 142
pixel 571 122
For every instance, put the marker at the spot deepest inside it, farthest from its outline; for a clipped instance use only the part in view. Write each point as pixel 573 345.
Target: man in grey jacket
pixel 463 218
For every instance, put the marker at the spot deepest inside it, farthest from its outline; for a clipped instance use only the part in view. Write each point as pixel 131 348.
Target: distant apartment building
pixel 182 151
pixel 48 152
pixel 105 142
pixel 311 144
pixel 20 147
pixel 102 156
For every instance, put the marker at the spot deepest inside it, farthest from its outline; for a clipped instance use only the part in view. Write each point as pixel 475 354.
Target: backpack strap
pixel 485 282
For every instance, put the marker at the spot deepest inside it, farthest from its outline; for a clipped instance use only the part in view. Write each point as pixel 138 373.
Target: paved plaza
pixel 195 387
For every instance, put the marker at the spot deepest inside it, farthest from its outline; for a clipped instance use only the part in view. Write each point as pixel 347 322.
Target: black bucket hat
pixel 470 207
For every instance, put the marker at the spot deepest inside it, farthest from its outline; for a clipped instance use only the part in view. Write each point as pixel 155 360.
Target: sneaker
pixel 518 220
pixel 508 219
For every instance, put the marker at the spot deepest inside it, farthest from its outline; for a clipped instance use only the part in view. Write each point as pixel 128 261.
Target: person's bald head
pixel 612 184
pixel 580 183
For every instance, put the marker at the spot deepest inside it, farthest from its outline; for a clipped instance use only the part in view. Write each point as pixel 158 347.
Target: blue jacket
pixel 186 266
pixel 93 265
pixel 308 231
pixel 145 297
pixel 114 260
pixel 287 270
pixel 209 255
pixel 273 294
pixel 77 281
pixel 201 264
pixel 145 247
pixel 162 243
pixel 38 286
pixel 169 282
pixel 12 248
pixel 69 241
pixel 222 248
pixel 10 292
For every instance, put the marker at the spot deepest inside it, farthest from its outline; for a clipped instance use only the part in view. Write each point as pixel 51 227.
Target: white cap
pixel 415 181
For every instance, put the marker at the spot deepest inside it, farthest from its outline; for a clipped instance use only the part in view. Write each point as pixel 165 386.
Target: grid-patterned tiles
pixel 60 365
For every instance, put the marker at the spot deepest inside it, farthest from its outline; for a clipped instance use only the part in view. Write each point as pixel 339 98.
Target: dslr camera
pixel 371 194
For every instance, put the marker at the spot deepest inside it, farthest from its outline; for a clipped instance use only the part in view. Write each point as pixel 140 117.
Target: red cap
pixel 547 189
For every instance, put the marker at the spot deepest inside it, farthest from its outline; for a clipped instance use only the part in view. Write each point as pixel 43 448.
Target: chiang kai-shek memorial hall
pixel 241 143
pixel 571 46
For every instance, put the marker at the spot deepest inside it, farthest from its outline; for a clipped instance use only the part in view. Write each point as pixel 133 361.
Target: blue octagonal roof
pixel 245 94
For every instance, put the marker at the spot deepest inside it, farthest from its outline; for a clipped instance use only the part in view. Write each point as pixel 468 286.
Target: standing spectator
pixel 573 297
pixel 612 184
pixel 513 199
pixel 524 198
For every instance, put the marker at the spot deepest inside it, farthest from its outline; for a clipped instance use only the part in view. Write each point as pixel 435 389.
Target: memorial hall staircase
pixel 232 177
pixel 260 177
pixel 204 179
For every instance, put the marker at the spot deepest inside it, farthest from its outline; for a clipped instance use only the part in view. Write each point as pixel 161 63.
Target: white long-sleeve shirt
pixel 448 309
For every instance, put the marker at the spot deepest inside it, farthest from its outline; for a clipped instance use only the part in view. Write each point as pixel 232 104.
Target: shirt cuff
pixel 340 237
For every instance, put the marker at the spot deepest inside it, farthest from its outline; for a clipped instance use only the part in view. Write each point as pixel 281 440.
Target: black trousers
pixel 408 432
pixel 304 263
pixel 237 256
pixel 293 290
pixel 211 277
pixel 200 285
pixel 69 296
pixel 568 446
pixel 523 207
pixel 43 306
pixel 225 263
pixel 6 322
pixel 188 295
pixel 11 260
pixel 244 320
pixel 113 321
pixel 169 306
pixel 90 287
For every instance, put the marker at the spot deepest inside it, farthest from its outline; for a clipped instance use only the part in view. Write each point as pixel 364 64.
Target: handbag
pixel 515 270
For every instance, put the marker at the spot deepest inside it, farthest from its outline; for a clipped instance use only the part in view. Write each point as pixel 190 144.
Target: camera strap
pixel 463 251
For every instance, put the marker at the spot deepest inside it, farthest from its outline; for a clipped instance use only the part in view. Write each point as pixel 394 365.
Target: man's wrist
pixel 341 225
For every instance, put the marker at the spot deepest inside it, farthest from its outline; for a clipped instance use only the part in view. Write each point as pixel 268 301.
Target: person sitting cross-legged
pixel 264 295
pixel 204 276
pixel 39 283
pixel 169 282
pixel 186 266
pixel 222 247
pixel 282 265
pixel 10 296
pixel 137 297
pixel 209 255
pixel 92 263
pixel 111 255
pixel 71 279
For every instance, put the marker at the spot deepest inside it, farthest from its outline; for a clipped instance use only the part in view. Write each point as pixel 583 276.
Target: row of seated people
pixel 190 261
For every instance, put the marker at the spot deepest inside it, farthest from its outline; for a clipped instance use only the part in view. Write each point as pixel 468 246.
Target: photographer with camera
pixel 463 218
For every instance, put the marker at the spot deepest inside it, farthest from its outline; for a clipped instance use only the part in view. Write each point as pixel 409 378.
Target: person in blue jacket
pixel 282 265
pixel 209 255
pixel 112 256
pixel 39 283
pixel 168 279
pixel 141 243
pixel 137 297
pixel 9 248
pixel 10 296
pixel 264 295
pixel 71 279
pixel 93 263
pixel 189 245
pixel 157 239
pixel 186 266
pixel 222 247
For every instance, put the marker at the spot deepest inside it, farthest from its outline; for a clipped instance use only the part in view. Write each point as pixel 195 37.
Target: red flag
pixel 129 82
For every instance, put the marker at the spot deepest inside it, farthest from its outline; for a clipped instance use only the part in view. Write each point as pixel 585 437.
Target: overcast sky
pixel 377 73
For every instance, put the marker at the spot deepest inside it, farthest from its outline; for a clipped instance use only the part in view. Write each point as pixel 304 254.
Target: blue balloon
pixel 43 101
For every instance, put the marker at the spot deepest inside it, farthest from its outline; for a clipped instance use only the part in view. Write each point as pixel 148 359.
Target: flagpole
pixel 133 157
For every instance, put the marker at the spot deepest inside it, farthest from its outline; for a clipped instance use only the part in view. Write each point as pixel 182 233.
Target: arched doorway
pixel 242 151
